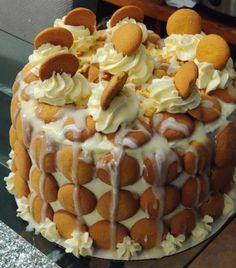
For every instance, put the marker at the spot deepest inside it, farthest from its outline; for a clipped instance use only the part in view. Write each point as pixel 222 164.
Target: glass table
pixel 13 55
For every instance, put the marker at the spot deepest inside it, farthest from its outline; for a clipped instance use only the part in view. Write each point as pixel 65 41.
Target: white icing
pixel 210 78
pixel 128 248
pixel 79 244
pixel 202 228
pixel 62 89
pixel 41 54
pixel 171 243
pixel 122 110
pixel 139 65
pixel 10 182
pixel 23 210
pixel 229 207
pixel 183 46
pixel 110 30
pixel 83 40
pixel 165 97
pixel 48 230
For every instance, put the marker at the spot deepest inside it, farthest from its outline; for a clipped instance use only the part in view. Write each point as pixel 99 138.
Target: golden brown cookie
pixel 213 206
pixel 112 89
pixel 14 108
pixel 218 56
pixel 139 135
pixel 15 86
pixel 78 134
pixel 160 201
pixel 39 208
pixel 133 12
pixel 93 73
pixel 173 126
pixel 185 79
pixel 223 94
pixel 22 160
pixel 84 170
pixel 27 75
pixel 101 234
pixel 183 222
pixel 44 185
pixel 208 111
pixel 127 39
pixel 44 152
pixel 127 171
pixel 81 16
pixel 184 21
pixel 221 177
pixel 127 205
pixel 70 196
pixel 48 113
pixel 55 36
pixel 61 62
pixel 194 191
pixel 23 130
pixel 67 223
pixel 225 145
pixel 153 38
pixel 12 136
pixel 20 186
pixel 146 232
pixel 196 157
pixel 151 173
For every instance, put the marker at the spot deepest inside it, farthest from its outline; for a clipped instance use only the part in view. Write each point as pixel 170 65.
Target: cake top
pixel 126 79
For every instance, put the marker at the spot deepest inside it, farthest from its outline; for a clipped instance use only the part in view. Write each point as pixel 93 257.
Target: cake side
pixel 123 142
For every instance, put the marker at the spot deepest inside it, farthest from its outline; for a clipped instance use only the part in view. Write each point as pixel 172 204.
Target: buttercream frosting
pixel 183 46
pixel 171 243
pixel 41 54
pixel 202 228
pixel 62 89
pixel 139 65
pixel 122 110
pixel 228 206
pixel 165 97
pixel 23 210
pixel 83 40
pixel 10 185
pixel 128 248
pixel 211 79
pixel 48 230
pixel 79 244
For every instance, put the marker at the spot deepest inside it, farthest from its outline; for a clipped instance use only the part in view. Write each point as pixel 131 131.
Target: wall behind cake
pixel 25 18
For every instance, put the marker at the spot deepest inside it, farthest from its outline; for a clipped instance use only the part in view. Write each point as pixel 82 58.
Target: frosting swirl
pixel 200 232
pixel 128 248
pixel 110 30
pixel 48 230
pixel 41 54
pixel 122 110
pixel 183 46
pixel 210 78
pixel 83 40
pixel 165 97
pixel 139 66
pixel 171 243
pixel 62 89
pixel 79 244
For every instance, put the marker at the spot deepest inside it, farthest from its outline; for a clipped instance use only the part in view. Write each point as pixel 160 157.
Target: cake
pixel 123 143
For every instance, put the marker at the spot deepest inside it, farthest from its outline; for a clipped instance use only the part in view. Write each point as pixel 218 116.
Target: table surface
pixel 13 55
